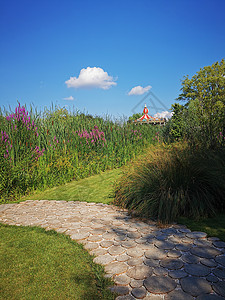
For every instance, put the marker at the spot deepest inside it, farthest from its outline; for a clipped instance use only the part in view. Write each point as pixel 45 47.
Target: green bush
pixel 173 181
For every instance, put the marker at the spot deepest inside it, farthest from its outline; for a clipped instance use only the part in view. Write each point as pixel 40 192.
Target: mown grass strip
pixel 97 188
pixel 36 264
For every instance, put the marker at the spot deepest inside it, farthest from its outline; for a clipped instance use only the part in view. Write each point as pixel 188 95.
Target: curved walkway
pixel 145 261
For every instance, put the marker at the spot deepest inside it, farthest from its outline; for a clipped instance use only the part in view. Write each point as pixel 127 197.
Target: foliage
pixel 173 181
pixel 174 129
pixel 45 149
pixel 135 116
pixel 205 97
pixel 36 264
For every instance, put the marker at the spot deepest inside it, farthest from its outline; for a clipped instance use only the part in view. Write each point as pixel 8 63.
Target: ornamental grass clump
pixel 173 181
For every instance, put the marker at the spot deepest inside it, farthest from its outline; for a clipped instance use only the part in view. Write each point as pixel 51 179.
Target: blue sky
pixel 96 52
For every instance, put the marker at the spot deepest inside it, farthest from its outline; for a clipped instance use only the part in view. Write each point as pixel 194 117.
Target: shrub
pixel 173 181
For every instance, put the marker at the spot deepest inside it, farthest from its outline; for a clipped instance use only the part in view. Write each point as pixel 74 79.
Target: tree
pixel 135 116
pixel 176 122
pixel 205 96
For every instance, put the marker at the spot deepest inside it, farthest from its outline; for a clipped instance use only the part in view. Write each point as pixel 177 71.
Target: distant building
pixel 146 119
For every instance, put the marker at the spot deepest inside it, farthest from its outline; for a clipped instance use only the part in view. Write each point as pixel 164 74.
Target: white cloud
pixel 139 90
pixel 91 78
pixel 70 98
pixel 164 114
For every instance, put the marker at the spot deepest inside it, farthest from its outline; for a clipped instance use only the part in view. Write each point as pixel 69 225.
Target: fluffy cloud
pixel 164 114
pixel 139 90
pixel 91 78
pixel 70 98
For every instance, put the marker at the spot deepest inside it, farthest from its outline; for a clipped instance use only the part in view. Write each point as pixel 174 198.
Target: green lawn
pixel 36 264
pixel 96 188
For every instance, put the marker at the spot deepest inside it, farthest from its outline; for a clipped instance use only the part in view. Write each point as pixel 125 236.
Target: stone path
pixel 145 261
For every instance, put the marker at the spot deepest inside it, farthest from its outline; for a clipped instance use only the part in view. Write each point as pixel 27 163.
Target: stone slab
pixel 139 292
pixel 197 270
pixel 103 259
pixel 219 288
pixel 220 260
pixel 139 272
pixel 195 286
pixel 205 252
pixel 178 295
pixel 159 284
pixel 116 268
pixel 171 263
pixel 122 279
pixel 177 274
pixel 196 235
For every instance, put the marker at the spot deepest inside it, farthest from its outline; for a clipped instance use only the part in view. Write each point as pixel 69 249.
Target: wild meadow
pixel 41 149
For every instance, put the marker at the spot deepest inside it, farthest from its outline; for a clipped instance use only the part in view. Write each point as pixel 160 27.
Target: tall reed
pixel 44 149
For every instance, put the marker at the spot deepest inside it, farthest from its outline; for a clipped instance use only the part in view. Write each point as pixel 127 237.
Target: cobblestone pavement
pixel 145 261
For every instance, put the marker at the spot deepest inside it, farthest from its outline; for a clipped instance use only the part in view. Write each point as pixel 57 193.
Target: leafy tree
pixel 135 116
pixel 205 96
pixel 174 129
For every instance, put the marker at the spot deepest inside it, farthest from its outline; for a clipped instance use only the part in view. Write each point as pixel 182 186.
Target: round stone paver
pixel 195 286
pixel 197 270
pixel 172 264
pixel 116 250
pixel 219 244
pixel 190 259
pixel 219 272
pixel 128 244
pixel 205 252
pixel 123 258
pixel 122 279
pixel 103 259
pixel 183 247
pixel 174 254
pixel 139 293
pixel 106 244
pixel 91 246
pixel 135 261
pixel 160 271
pixel 136 283
pixel 220 260
pixel 121 290
pixel 116 268
pixel 164 245
pixel 177 274
pixel 135 252
pixel 212 278
pixel 151 262
pixel 178 295
pixel 219 288
pixel 155 254
pixel 80 236
pixel 139 272
pixel 159 284
pixel 208 262
pixel 196 235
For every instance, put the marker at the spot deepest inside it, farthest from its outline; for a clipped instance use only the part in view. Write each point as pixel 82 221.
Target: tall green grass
pixel 173 181
pixel 40 149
